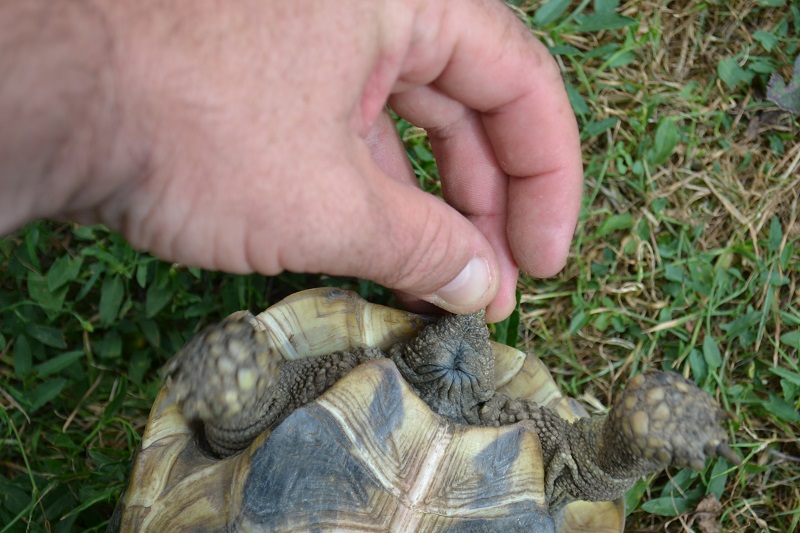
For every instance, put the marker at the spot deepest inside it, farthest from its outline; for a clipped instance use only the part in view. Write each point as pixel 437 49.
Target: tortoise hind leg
pixel 663 419
pixel 220 371
pixel 231 378
pixel 660 420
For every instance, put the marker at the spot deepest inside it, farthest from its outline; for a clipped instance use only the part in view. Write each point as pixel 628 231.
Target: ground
pixel 686 257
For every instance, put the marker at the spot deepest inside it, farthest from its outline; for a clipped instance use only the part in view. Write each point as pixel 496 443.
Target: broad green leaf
pixel 59 502
pixel 623 324
pixel 100 459
pixel 603 52
pixel 606 5
pixel 719 478
pixel 792 339
pixel 775 234
pixel 564 50
pixel 423 153
pixel 98 269
pixel 579 320
pixel 13 497
pixel 47 335
pixel 666 139
pixel 668 506
pixel 680 484
pixel 87 501
pixel 41 294
pixel 23 357
pixel 63 270
pixel 674 272
pixel 139 364
pixel 786 255
pixel 601 321
pixel 742 326
pixel 788 375
pixel 790 391
pixel 141 274
pixel 44 393
pixel 549 12
pixel 776 279
pixel 635 494
pixel 150 331
pixel 507 331
pixel 86 233
pixel 113 262
pixel 158 295
pixel 31 242
pixel 620 60
pixel 111 294
pixel 579 105
pixel 790 319
pixel 730 72
pixel 767 40
pixel 761 65
pixel 711 353
pixel 778 407
pixel 604 21
pixel 599 270
pixel 698 364
pixel 615 223
pixel 109 346
pixel 58 363
pixel 596 128
pixel 701 276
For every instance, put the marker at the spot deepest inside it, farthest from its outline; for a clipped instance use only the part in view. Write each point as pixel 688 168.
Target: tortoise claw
pixel 725 451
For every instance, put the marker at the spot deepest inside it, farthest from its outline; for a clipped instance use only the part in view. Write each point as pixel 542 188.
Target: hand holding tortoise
pixel 251 136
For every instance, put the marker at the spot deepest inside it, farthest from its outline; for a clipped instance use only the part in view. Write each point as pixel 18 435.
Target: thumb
pixel 389 231
pixel 423 247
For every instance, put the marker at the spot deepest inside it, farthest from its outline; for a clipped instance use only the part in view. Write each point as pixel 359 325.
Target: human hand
pixel 250 136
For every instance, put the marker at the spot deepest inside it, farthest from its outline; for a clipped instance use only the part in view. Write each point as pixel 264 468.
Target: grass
pixel 686 257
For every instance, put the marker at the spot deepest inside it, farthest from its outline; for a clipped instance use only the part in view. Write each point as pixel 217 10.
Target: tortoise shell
pixel 367 455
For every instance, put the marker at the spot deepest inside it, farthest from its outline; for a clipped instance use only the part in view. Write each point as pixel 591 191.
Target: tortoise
pixel 327 413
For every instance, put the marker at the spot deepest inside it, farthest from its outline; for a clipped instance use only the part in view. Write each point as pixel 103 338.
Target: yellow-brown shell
pixel 171 474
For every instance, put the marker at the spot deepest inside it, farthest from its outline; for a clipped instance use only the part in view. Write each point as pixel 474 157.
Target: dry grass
pixel 687 257
pixel 734 170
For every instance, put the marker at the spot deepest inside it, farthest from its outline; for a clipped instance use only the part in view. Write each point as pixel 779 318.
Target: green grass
pixel 686 257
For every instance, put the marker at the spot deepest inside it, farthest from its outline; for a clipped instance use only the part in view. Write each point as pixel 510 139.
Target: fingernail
pixel 466 289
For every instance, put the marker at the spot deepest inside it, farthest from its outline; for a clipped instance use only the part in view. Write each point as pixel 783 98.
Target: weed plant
pixel 686 258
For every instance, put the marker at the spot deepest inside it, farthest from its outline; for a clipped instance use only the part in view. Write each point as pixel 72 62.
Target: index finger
pixel 492 64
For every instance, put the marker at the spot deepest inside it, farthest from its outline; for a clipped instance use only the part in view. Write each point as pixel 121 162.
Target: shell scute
pixel 368 455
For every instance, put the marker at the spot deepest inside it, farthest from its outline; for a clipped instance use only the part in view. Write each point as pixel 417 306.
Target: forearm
pixel 56 106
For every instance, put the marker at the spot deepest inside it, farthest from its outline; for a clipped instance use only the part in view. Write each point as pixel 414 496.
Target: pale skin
pixel 251 136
